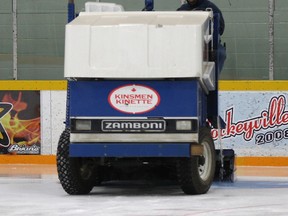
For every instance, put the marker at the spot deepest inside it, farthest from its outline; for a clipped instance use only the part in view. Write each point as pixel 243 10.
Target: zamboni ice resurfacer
pixel 142 98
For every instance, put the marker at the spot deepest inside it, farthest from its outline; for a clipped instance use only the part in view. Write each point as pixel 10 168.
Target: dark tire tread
pixel 67 168
pixel 188 174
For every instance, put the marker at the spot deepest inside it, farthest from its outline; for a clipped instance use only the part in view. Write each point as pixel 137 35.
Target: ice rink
pixel 35 190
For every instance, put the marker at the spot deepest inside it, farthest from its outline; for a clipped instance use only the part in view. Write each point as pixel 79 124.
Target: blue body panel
pixel 178 98
pixel 130 150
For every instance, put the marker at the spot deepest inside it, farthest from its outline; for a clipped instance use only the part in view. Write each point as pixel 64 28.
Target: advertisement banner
pixel 256 123
pixel 20 122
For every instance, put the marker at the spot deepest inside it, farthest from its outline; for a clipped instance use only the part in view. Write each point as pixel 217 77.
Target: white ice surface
pixel 43 195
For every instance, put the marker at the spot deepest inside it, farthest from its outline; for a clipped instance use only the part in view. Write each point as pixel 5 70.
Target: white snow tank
pixel 102 7
pixel 139 45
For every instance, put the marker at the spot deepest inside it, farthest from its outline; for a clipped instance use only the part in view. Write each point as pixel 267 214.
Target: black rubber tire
pixel 69 169
pixel 190 176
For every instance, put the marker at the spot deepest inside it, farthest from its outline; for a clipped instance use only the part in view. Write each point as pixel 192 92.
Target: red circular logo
pixel 134 99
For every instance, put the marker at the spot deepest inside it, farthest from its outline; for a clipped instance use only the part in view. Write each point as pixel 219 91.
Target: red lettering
pixel 285 118
pixel 250 127
pixel 280 110
pixel 214 133
pixel 239 128
pixel 272 112
pixel 264 120
pixel 230 127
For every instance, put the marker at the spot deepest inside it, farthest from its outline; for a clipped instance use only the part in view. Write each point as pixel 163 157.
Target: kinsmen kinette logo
pixel 4 138
pixel 134 99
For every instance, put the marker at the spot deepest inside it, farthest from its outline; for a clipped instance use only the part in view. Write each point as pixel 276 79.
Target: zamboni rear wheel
pixel 196 174
pixel 76 175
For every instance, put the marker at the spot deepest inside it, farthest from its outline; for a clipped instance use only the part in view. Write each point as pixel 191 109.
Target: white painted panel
pixel 46 118
pixel 58 110
pixel 256 122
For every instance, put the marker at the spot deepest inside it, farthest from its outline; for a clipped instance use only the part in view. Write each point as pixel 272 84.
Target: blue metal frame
pixel 149 5
pixel 212 100
pixel 71 11
pixel 130 150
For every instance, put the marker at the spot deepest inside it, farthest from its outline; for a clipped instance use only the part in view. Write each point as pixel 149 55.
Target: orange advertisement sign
pixel 20 122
